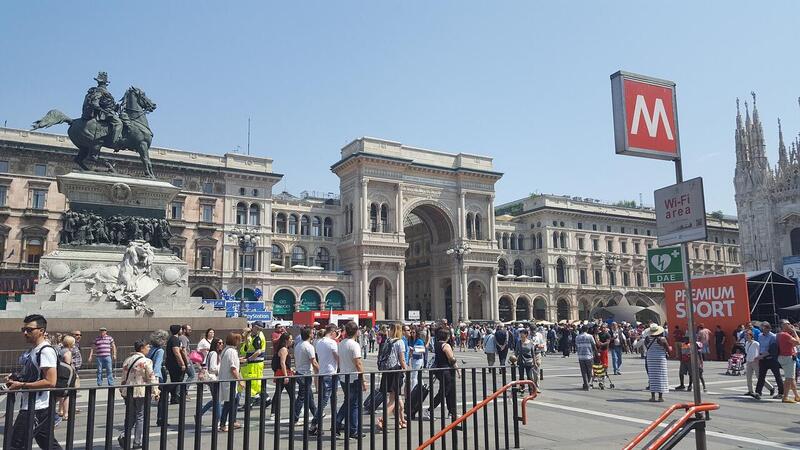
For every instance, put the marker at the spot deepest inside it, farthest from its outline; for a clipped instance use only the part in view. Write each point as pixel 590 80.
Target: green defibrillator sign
pixel 665 264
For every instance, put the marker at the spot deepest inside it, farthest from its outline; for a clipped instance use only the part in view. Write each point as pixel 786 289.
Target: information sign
pixel 665 264
pixel 681 213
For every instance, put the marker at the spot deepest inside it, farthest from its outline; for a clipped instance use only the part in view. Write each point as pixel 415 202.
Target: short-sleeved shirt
pixel 488 344
pixel 47 358
pixel 169 355
pixel 785 345
pixel 326 356
pixel 303 354
pixel 349 351
pixel 184 342
pixel 585 344
pixel 102 345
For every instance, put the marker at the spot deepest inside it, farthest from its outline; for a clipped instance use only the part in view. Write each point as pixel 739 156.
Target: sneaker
pixel 58 420
pixel 271 417
pixel 705 390
pixel 680 388
pixel 314 430
pixel 748 394
pixel 777 396
pixel 300 421
pixel 757 396
pixel 356 436
pixel 772 392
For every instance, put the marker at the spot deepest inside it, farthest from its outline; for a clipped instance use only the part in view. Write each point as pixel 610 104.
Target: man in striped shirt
pixel 105 352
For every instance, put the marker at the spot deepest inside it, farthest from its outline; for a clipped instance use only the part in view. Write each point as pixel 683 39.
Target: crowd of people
pixel 327 358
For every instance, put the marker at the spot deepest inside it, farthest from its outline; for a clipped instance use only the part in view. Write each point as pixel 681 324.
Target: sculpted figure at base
pixel 127 283
pixel 105 123
pixel 82 228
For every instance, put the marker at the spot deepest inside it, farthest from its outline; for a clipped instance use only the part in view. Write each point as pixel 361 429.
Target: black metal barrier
pixel 182 427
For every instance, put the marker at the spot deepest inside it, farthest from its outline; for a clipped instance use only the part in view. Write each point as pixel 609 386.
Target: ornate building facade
pixel 767 199
pixel 411 229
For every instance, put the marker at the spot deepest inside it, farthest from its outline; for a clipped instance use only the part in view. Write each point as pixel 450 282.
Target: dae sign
pixel 645 116
pixel 719 300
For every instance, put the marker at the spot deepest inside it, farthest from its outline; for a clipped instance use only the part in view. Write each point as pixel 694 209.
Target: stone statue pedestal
pixel 108 195
pixel 104 280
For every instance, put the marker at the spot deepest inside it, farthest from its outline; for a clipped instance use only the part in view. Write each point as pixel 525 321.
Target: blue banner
pixel 218 303
pixel 232 307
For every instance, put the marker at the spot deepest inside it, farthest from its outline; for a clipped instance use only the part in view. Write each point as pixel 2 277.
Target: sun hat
pixel 656 329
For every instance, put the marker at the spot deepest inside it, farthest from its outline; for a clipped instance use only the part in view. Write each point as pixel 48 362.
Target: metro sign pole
pixel 646 125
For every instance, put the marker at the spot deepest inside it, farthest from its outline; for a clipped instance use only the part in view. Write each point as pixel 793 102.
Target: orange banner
pixel 718 300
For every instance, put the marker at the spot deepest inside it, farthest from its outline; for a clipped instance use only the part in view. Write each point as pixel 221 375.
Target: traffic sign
pixel 665 264
pixel 681 213
pixel 266 316
pixel 232 307
pixel 645 116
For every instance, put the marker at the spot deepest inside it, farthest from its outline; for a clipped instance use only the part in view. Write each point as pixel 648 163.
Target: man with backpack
pixel 39 371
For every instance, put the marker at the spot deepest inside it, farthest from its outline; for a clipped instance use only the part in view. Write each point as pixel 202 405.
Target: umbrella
pixel 523 277
pixel 500 275
pixel 315 268
pixel 544 322
pixel 275 267
pixel 510 277
pixel 299 267
pixel 562 322
pixel 620 313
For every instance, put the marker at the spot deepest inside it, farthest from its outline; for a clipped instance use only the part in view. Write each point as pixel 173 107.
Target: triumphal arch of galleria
pixel 403 209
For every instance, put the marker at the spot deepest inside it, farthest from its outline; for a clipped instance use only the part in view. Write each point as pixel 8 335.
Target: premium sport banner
pixel 718 300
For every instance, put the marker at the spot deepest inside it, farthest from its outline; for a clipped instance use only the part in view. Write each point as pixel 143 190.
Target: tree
pixel 626 203
pixel 718 214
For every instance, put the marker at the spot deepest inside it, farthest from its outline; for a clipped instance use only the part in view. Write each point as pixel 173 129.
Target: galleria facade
pixel 390 241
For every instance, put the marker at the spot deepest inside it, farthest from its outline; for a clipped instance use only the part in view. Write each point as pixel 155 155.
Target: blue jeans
pixel 327 384
pixel 228 415
pixel 213 403
pixel 616 358
pixel 355 408
pixel 104 363
pixel 303 396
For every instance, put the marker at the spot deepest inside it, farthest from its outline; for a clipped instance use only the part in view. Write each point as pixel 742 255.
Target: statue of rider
pixel 99 104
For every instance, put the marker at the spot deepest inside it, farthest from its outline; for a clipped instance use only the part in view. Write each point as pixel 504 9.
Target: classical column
pixel 364 206
pixel 493 299
pixel 465 290
pixel 364 286
pixel 398 210
pixel 490 219
pixel 462 216
pixel 401 291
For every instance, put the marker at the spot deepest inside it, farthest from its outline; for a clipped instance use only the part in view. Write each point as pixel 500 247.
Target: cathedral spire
pixel 783 160
pixel 757 145
pixel 739 136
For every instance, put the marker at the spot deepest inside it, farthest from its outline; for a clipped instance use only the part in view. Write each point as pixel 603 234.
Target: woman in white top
pixel 204 346
pixel 751 351
pixel 211 373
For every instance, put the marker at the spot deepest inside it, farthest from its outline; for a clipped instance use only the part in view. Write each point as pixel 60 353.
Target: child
pixel 685 355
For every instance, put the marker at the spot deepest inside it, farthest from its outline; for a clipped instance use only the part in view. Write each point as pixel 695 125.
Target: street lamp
pixel 458 252
pixel 247 243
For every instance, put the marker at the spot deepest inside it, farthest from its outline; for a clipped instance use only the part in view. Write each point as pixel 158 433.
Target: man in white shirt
pixel 350 363
pixel 328 357
pixel 38 372
pixel 305 361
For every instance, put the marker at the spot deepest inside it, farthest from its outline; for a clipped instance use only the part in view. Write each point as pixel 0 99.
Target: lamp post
pixel 458 252
pixel 247 243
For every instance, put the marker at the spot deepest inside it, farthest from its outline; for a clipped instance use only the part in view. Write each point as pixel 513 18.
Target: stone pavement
pixel 563 417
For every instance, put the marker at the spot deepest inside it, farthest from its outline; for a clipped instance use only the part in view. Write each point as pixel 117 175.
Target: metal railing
pixel 9 359
pixel 105 415
pixel 694 416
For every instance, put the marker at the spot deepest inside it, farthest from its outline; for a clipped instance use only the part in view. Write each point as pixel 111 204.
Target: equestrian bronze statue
pixel 106 123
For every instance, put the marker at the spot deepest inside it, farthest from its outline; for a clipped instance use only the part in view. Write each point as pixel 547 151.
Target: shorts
pixel 787 364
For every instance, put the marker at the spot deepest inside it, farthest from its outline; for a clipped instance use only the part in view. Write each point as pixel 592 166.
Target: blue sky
pixel 524 82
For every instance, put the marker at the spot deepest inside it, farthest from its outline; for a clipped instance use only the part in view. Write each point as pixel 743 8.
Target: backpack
pixel 501 338
pixel 65 373
pixel 384 354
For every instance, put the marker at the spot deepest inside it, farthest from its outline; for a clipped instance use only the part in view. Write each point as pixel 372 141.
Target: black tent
pixel 769 292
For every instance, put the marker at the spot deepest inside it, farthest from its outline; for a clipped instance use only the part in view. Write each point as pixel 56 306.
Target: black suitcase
pixel 417 399
pixel 373 401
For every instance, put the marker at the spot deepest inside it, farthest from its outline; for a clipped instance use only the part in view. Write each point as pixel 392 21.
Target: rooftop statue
pixel 106 123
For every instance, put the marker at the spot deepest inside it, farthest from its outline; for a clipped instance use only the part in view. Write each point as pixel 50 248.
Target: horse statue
pixel 89 135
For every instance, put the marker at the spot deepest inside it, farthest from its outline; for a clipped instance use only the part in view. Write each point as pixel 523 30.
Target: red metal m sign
pixel 645 116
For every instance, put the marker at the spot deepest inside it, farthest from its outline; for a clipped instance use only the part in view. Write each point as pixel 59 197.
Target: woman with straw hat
pixel 657 350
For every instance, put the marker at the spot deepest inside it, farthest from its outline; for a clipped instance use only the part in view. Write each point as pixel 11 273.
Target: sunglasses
pixel 29 329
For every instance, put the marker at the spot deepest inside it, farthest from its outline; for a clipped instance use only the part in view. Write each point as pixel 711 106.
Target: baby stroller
pixel 600 375
pixel 735 364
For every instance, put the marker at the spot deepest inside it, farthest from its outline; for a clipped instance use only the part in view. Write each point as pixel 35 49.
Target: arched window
pixel 498 239
pixel 537 271
pixel 350 217
pixel 555 239
pixel 384 218
pixel 561 272
pixel 520 242
pixel 626 279
pixel 478 234
pixel 293 229
pixel 518 267
pixel 305 225
pixel 470 222
pixel 598 277
pixel 639 279
pixel 34 249
pixel 612 277
pixel 505 241
pixel 277 255
pixel 513 240
pixel 241 214
pixel 280 223
pixel 539 243
pixel 583 276
pixel 327 227
pixel 255 214
pixel 323 258
pixel 373 217
pixel 794 236
pixel 346 219
pixel 299 256
pixel 502 267
pixel 206 258
pixel 563 239
pixel 316 226
pixel 562 309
